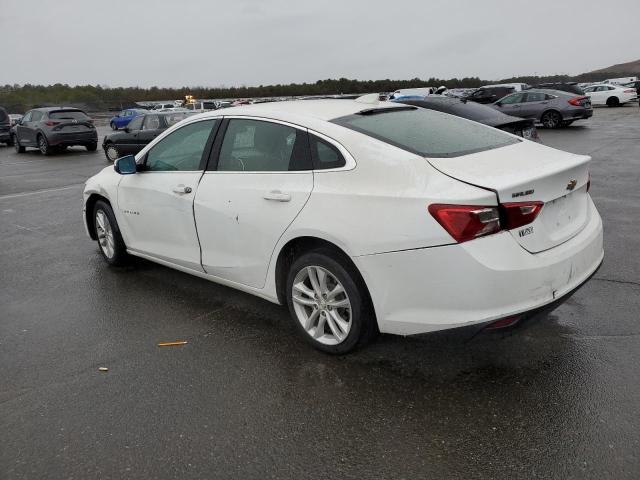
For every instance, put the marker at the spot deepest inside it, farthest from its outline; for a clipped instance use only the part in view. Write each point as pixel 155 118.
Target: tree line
pixel 19 98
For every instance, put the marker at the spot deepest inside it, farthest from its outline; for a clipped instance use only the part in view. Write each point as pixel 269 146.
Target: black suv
pixel 5 127
pixel 138 133
pixel 55 128
pixel 490 94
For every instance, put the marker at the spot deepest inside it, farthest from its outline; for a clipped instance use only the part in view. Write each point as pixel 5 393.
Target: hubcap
pixel 42 143
pixel 105 234
pixel 322 305
pixel 112 153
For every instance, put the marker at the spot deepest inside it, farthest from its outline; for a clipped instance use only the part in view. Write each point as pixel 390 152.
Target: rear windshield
pixel 426 132
pixel 68 115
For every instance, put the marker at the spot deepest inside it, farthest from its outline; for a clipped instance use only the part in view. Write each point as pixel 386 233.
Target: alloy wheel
pixel 105 234
pixel 322 305
pixel 551 120
pixel 42 145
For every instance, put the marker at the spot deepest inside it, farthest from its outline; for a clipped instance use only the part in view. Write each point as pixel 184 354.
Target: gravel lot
pixel 246 398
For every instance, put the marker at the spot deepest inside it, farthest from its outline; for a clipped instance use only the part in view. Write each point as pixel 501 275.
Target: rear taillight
pixel 577 101
pixel 517 214
pixel 630 90
pixel 466 222
pixel 51 123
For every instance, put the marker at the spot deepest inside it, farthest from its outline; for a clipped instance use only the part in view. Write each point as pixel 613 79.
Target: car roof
pixel 50 109
pixel 547 90
pixel 324 110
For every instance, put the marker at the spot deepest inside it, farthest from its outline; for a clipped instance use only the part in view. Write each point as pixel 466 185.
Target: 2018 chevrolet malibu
pixel 361 217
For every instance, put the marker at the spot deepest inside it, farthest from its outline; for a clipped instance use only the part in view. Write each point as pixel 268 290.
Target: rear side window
pixel 536 97
pixel 426 132
pixel 68 115
pixel 259 146
pixel 324 155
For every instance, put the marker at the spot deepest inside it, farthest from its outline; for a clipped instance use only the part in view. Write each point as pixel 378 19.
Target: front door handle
pixel 277 196
pixel 181 189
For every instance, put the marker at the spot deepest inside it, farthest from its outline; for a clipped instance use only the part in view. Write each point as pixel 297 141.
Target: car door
pixel 598 94
pixel 511 104
pixel 23 130
pixel 258 181
pixel 128 142
pixel 535 103
pixel 155 205
pixel 152 126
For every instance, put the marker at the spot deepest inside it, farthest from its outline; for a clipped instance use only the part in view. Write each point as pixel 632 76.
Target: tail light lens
pixel 466 222
pixel 51 123
pixel 517 214
pixel 630 90
pixel 577 101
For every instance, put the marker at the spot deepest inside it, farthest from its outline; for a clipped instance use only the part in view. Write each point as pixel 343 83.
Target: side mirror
pixel 126 165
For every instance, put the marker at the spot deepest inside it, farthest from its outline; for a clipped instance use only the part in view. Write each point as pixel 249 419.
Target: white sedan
pixel 610 95
pixel 361 216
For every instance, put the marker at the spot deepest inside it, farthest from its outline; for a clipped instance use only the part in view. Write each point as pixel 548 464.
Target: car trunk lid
pixel 69 121
pixel 529 172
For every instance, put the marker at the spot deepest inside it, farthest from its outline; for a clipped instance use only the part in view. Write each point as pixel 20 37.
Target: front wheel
pixel 328 302
pixel 113 126
pixel 110 241
pixel 112 153
pixel 551 119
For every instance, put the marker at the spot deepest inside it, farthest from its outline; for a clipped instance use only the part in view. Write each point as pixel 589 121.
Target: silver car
pixel 552 108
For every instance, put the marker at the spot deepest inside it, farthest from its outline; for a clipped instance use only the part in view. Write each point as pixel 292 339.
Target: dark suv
pixel 490 94
pixel 5 127
pixel 55 128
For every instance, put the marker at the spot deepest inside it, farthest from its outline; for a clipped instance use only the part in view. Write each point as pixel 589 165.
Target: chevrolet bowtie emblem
pixel 572 184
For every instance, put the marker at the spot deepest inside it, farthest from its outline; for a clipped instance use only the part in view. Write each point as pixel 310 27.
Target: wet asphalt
pixel 246 398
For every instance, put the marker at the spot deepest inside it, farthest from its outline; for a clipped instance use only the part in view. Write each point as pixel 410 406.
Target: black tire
pixel 92 147
pixel 16 144
pixel 551 119
pixel 363 324
pixel 113 126
pixel 10 141
pixel 111 152
pixel 119 256
pixel 613 102
pixel 43 145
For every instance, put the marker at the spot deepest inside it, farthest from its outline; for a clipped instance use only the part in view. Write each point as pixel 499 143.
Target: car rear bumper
pixel 451 286
pixel 577 113
pixel 76 138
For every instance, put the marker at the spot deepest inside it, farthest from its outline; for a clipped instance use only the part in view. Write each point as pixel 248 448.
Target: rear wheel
pixel 328 302
pixel 112 153
pixel 110 241
pixel 16 144
pixel 92 147
pixel 43 145
pixel 551 119
pixel 613 102
pixel 113 126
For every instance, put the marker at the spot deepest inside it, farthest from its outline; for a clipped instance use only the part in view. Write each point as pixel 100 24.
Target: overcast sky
pixel 252 42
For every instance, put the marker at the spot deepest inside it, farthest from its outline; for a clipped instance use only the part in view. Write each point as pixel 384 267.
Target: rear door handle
pixel 181 189
pixel 277 196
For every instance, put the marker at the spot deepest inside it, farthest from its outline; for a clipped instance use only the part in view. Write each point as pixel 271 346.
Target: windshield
pixel 426 132
pixel 68 115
